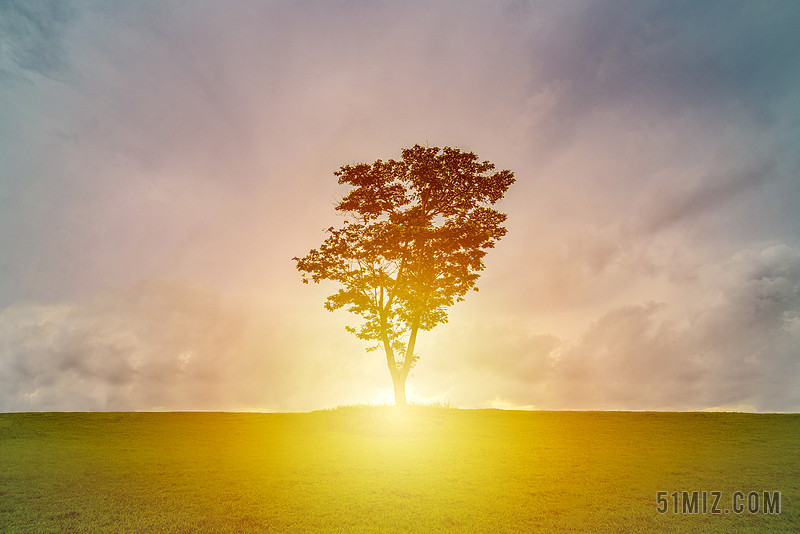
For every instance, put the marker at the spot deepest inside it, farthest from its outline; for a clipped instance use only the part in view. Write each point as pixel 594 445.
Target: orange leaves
pixel 422 227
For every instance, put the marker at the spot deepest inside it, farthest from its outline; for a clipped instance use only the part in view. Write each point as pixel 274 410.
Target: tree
pixel 412 244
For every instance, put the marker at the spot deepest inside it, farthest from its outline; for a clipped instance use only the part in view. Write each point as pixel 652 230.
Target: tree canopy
pixel 411 245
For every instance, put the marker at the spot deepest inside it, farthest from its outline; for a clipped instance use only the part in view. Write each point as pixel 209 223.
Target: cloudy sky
pixel 162 162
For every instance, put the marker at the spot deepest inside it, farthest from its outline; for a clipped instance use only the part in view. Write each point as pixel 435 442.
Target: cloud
pixel 32 36
pixel 151 346
pixel 735 347
pixel 478 361
pixel 684 202
pixel 168 346
pixel 707 58
pixel 164 345
pixel 173 132
pixel 651 142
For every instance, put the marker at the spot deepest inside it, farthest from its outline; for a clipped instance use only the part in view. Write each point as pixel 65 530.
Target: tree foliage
pixel 412 244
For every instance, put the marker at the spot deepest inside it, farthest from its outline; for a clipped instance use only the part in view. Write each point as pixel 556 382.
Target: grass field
pixel 374 469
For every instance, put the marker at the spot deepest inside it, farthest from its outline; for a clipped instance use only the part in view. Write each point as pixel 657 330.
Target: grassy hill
pixel 377 469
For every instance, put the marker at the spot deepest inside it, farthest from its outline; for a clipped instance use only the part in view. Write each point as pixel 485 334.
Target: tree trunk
pixel 399 374
pixel 399 382
pixel 399 377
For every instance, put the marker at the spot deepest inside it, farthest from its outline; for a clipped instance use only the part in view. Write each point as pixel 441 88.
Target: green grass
pixel 370 469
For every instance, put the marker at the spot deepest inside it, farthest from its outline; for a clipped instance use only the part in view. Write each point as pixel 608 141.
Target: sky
pixel 162 162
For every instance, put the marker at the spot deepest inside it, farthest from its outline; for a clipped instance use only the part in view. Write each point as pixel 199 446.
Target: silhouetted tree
pixel 412 244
